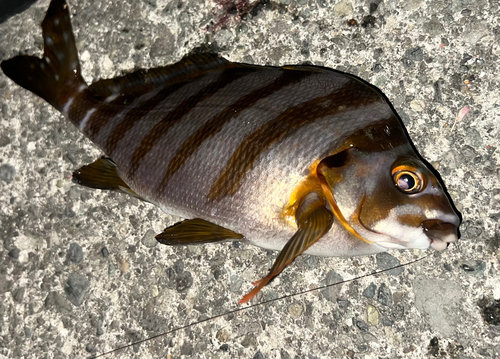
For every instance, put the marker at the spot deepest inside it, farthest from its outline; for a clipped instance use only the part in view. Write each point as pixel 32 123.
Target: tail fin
pixel 55 77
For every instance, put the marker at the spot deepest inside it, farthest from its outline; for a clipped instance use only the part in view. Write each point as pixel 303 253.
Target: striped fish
pixel 300 159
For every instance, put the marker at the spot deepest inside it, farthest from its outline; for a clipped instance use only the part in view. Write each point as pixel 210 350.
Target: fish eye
pixel 408 179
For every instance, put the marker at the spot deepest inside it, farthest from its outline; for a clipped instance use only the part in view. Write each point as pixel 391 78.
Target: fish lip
pixel 440 233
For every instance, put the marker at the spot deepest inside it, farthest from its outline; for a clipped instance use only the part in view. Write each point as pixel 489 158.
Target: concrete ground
pixel 81 273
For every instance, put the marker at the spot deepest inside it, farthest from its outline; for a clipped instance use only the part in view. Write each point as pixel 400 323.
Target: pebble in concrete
pixel 384 295
pixel 7 173
pixel 74 253
pixel 149 239
pixel 372 315
pixel 295 310
pixel 331 293
pixel 369 292
pixel 76 287
pixel 387 261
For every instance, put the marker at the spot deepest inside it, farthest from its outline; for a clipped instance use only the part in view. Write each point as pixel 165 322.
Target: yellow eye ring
pixel 407 179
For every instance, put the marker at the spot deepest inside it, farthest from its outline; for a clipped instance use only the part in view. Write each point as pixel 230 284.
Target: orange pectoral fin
pixel 313 224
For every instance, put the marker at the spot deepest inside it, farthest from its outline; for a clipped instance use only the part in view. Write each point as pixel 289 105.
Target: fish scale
pixel 300 159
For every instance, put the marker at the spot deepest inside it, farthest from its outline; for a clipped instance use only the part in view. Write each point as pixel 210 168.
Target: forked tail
pixel 56 77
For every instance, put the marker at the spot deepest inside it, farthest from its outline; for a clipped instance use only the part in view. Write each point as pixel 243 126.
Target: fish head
pixel 389 198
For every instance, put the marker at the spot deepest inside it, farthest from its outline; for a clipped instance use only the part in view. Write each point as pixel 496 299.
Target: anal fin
pixel 313 223
pixel 102 174
pixel 196 231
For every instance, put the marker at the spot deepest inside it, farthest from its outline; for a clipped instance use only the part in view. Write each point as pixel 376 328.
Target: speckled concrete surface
pixel 80 271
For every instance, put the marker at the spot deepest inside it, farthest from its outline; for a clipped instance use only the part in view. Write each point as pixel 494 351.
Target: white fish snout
pixel 440 233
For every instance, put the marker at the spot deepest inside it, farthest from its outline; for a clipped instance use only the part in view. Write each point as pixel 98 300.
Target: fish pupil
pixel 406 182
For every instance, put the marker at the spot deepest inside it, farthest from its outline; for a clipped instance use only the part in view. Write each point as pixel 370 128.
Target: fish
pixel 299 159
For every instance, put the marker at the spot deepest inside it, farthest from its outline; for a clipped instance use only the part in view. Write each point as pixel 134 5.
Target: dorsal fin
pixel 145 80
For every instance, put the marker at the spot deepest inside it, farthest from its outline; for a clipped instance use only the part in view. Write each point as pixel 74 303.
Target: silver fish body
pixel 301 159
pixel 252 205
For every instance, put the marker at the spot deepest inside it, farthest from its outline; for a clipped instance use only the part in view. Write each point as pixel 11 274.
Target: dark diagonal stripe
pixel 136 114
pixel 285 125
pixel 215 125
pixel 227 77
pixel 105 113
pixel 133 85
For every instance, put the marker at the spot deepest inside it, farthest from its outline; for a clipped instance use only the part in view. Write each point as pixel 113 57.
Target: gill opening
pixel 338 214
pixel 308 185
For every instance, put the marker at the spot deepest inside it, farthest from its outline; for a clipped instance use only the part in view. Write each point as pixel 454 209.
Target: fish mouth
pixel 440 233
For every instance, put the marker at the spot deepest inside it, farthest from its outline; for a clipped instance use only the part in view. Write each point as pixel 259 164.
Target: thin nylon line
pixel 254 306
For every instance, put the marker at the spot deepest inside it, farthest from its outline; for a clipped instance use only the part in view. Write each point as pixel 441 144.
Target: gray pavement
pixel 81 273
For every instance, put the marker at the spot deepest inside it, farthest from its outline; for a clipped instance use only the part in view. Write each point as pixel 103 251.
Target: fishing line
pixel 95 356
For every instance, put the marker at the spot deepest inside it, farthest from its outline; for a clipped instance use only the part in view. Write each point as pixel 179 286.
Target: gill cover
pixel 331 172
